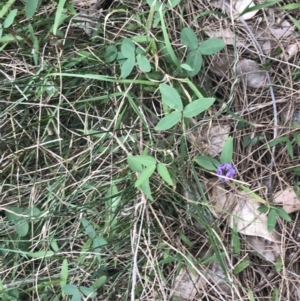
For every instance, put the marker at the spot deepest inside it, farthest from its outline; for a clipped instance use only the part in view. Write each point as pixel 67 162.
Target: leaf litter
pixel 278 39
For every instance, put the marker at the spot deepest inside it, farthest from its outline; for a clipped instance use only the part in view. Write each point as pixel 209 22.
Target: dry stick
pixel 261 56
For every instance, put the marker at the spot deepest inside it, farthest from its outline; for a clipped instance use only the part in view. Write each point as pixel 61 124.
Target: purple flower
pixel 226 171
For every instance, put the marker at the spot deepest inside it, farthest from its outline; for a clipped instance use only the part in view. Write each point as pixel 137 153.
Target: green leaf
pixel 296 137
pixel 189 38
pixel 283 214
pixel 145 160
pixel 289 148
pixel 166 37
pixel 168 121
pixel 276 141
pixel 40 254
pixel 227 151
pixel 290 6
pixel 134 165
pixel 211 46
pixel 111 53
pixel 88 291
pixel 145 175
pixel 263 209
pixel 271 223
pixel 127 67
pixel 70 289
pixel 164 173
pixel 185 240
pixel 10 38
pixel 186 67
pixel 58 15
pixel 30 8
pixel 64 274
pixel 278 264
pixel 99 242
pixel 145 187
pixel 53 244
pixel 76 297
pixel 89 229
pixel 275 294
pixel 99 282
pixel 197 106
pixel 156 5
pixel 295 21
pixel 10 18
pixel 22 228
pixel 207 162
pixel 143 63
pixel 250 295
pixel 171 97
pixel 128 48
pixel 194 59
pixel 21 224
pixel 13 215
pixel 5 7
pixel 241 266
pixel 173 3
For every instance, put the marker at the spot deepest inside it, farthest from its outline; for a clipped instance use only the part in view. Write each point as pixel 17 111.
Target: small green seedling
pixel 132 55
pixel 172 99
pixel 210 163
pixel 193 62
pixel 273 212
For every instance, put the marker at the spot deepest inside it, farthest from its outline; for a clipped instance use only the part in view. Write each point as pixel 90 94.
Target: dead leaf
pixel 218 277
pixel 88 10
pixel 210 141
pixel 221 64
pixel 290 51
pixel 238 7
pixel 188 283
pixel 283 30
pixel 240 209
pixel 185 285
pixel 241 5
pixel 251 73
pixel 288 200
pixel 226 35
pixel 270 251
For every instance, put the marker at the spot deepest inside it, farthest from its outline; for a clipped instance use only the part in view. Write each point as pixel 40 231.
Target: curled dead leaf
pixel 241 5
pixel 185 285
pixel 221 64
pixel 251 73
pixel 226 35
pixel 270 251
pixel 288 200
pixel 235 8
pixel 290 51
pixel 210 140
pixel 238 208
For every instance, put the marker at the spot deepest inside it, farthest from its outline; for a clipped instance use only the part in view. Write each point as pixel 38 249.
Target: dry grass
pixel 64 154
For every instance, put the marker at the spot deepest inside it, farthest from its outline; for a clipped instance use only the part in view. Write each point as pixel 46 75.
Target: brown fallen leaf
pixel 235 8
pixel 185 285
pixel 290 51
pixel 270 251
pixel 222 63
pixel 251 73
pixel 238 208
pixel 210 140
pixel 288 200
pixel 188 282
pixel 226 35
